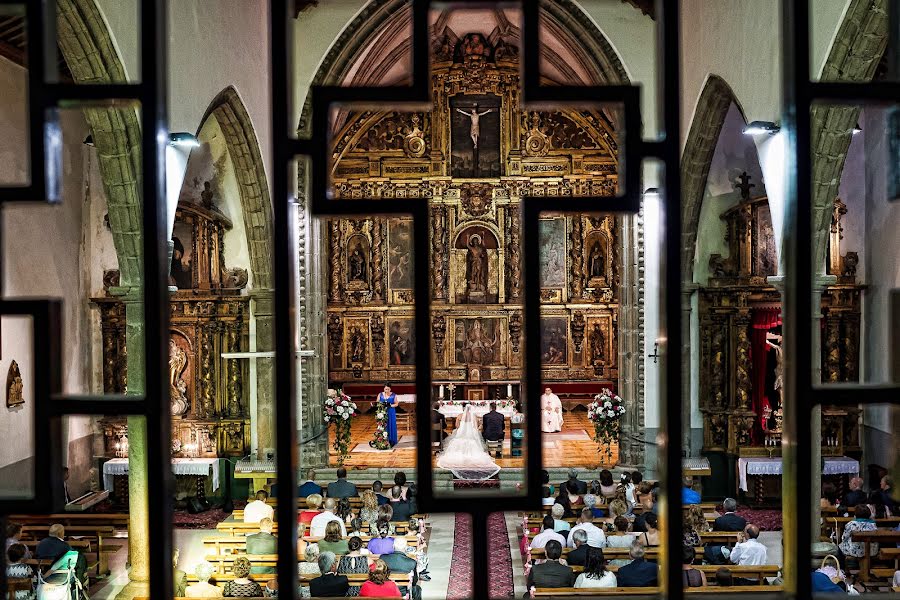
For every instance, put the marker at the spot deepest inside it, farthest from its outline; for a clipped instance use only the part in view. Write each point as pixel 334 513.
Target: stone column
pixel 262 309
pixel 687 351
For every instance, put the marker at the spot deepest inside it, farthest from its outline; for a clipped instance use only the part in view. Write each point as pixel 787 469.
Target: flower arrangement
pixel 501 404
pixel 339 411
pixel 605 412
pixel 381 441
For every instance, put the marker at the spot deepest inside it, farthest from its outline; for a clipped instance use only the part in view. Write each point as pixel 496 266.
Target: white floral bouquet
pixel 605 412
pixel 339 410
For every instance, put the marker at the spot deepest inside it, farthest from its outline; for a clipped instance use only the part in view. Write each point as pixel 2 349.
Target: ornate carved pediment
pixel 752 256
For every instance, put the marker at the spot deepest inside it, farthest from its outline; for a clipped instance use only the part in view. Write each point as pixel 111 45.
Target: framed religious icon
pixel 400 254
pixel 553 252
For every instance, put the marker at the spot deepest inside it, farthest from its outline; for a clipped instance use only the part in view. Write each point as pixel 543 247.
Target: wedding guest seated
pixel 595 574
pixel 862 521
pixel 355 560
pixel 377 487
pixel 617 508
pixel 341 488
pixel 317 525
pixel 333 542
pixel 578 555
pixel 547 534
pixel 369 510
pixel 309 486
pixel 14 535
pixel 693 525
pixel 563 500
pixel 385 516
pixel 690 577
pixel 590 501
pixel 203 588
pixel 411 494
pixel 648 502
pixel 829 497
pixel 650 535
pixel 258 510
pixel 559 526
pixel 596 537
pixel 548 499
pixel 724 577
pixel 688 494
pixel 399 504
pixel 313 504
pixel 329 584
pixel 384 543
pixel 855 495
pixel 621 538
pixel 400 479
pixel 628 486
pixel 438 418
pixel 884 495
pixel 53 546
pixel 343 510
pixel 15 554
pixel 580 486
pixel 262 543
pixel 551 573
pixel 398 562
pixel 748 551
pixel 241 586
pixel 545 481
pixel 730 521
pixel 639 572
pixel 379 585
pixel 310 563
pixel 607 485
pixel 493 425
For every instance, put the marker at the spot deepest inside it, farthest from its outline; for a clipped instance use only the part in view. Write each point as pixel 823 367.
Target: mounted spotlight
pixel 761 127
pixel 89 140
pixel 856 129
pixel 184 139
pixel 651 193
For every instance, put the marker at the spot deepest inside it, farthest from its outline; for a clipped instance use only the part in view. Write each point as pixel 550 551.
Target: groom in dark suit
pixel 493 425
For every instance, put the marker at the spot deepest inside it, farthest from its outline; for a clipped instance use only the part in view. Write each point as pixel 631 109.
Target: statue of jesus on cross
pixel 474 115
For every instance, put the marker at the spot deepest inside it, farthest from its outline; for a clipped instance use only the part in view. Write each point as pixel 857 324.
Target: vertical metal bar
pixel 281 52
pixel 154 125
pixel 531 271
pixel 668 45
pixel 797 332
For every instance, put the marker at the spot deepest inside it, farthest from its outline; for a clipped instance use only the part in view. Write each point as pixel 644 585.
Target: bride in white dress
pixel 464 453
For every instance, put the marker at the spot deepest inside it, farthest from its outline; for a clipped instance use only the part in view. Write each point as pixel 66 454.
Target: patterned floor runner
pixel 500 576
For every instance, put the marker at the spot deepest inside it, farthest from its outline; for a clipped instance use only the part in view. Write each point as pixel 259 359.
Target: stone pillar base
pixel 134 589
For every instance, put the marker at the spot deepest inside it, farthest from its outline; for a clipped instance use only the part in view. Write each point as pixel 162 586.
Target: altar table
pixel 480 408
pixel 841 465
pixel 203 467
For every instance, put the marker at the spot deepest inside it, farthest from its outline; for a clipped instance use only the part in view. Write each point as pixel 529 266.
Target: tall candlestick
pixel 509 390
pixel 441 392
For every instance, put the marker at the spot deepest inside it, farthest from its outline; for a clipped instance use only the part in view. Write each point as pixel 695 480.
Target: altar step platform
pixel 550 441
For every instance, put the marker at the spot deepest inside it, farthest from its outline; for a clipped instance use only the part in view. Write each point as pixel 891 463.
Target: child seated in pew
pixel 15 554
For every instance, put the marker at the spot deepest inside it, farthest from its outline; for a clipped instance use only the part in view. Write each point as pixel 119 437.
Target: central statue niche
pixel 475 135
pixel 475 263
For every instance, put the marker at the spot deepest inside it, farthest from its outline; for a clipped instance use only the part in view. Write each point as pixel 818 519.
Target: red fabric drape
pixel 763 319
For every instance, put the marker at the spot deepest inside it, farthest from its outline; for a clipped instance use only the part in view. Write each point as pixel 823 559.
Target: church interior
pixel 474 157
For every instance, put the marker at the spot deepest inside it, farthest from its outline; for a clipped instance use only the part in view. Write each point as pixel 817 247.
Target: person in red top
pixel 378 585
pixel 313 504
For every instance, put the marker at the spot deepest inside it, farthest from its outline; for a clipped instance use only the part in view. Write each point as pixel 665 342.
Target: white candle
pixel 509 390
pixel 442 392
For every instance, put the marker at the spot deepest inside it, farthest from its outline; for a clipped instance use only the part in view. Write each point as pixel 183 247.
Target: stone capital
pixel 263 302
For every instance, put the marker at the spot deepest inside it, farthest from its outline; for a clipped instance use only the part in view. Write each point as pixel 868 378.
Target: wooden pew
pixel 356 579
pixel 879 536
pixel 118 520
pixel 96 554
pixel 840 522
pixel 651 553
pixel 17 584
pixel 237 544
pixel 76 536
pixel 225 562
pixel 759 572
pixel 651 591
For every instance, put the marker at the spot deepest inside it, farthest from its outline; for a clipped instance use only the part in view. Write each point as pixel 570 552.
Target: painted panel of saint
pixel 554 344
pixel 553 252
pixel 402 341
pixel 181 269
pixel 477 341
pixel 475 135
pixel 400 260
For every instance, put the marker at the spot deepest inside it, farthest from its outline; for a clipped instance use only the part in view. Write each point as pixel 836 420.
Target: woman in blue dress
pixel 390 398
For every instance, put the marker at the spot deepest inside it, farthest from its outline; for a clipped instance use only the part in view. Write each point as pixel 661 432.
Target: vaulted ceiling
pixel 14 44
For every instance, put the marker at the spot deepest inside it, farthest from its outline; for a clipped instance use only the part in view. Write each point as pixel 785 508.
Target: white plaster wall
pixel 16 424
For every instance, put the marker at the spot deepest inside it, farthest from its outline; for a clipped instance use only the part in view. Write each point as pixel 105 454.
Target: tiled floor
pixel 559 451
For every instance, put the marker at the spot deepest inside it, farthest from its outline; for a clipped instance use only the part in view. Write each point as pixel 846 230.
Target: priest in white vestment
pixel 551 412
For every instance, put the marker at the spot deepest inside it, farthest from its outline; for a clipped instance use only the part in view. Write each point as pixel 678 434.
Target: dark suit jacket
pixel 401 563
pixel 341 489
pixel 262 543
pixel 582 486
pixel 402 511
pixel 551 574
pixel 329 586
pixel 730 522
pixel 578 555
pixel 382 499
pixel 853 498
pixel 438 417
pixel 52 548
pixel 310 487
pixel 638 573
pixel 492 426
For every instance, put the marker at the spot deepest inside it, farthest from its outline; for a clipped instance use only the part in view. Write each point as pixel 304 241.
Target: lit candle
pixel 509 390
pixel 441 393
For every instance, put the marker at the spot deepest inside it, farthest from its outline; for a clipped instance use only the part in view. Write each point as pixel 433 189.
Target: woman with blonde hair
pixel 369 511
pixel 379 585
pixel 241 586
pixel 694 524
pixel 617 508
pixel 313 504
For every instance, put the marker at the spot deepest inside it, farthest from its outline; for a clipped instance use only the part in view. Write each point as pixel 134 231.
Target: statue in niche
pixel 177 386
pixel 206 196
pixel 598 342
pixel 479 347
pixel 476 265
pixel 474 47
pixel 14 387
pixel 596 261
pixel 181 269
pixel 779 365
pixel 358 266
pixel 357 345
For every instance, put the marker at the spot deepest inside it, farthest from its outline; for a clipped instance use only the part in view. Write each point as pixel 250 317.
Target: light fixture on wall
pixel 89 140
pixel 183 138
pixel 761 127
pixel 856 129
pixel 651 193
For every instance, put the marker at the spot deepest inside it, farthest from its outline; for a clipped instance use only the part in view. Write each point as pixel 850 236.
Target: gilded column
pixel 377 259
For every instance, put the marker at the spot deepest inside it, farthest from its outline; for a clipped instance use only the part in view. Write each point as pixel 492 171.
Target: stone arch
pixel 256 206
pixel 709 116
pixel 90 54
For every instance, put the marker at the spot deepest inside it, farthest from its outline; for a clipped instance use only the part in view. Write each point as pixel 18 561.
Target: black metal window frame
pixel 287 148
pixel 800 95
pixel 46 96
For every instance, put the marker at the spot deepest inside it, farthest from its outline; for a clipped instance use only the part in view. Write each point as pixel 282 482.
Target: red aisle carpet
pixel 500 576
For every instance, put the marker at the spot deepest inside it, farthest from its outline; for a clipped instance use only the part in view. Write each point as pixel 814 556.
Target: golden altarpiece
pixel 209 316
pixel 472 158
pixel 739 311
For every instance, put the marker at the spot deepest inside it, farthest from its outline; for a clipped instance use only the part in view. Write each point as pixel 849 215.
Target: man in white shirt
pixel 541 539
pixel 258 510
pixel 595 535
pixel 748 551
pixel 317 526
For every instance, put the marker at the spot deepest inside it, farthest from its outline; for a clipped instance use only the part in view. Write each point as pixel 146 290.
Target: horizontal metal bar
pixel 586 204
pixel 24 193
pixel 374 97
pixel 869 92
pixel 853 394
pixel 57 92
pixel 582 95
pixel 365 207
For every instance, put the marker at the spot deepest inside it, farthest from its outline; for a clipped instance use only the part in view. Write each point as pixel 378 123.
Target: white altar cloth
pixel 208 467
pixel 839 465
pixel 479 407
